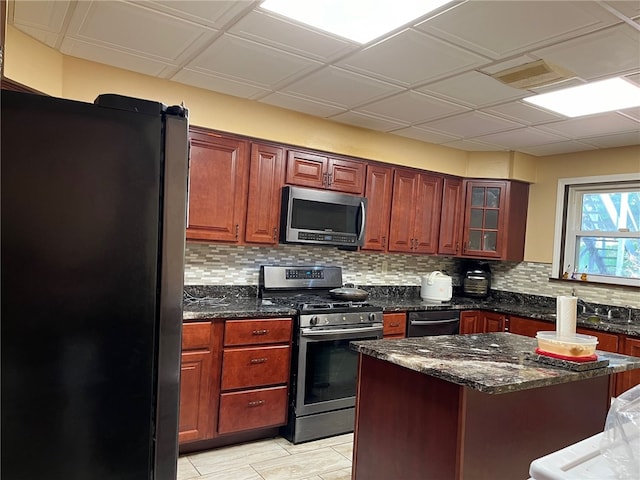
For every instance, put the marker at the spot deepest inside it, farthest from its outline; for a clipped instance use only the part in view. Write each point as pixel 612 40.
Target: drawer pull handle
pixel 255 403
pixel 257 360
pixel 394 324
pixel 260 332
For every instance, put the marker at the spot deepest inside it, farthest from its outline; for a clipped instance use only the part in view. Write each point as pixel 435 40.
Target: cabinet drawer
pixel 395 324
pixel 253 367
pixel 256 332
pixel 266 407
pixel 196 335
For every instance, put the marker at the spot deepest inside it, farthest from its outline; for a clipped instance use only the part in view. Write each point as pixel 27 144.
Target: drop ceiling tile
pixel 475 89
pixel 218 84
pixel 424 135
pixel 471 124
pixel 114 57
pixel 292 102
pixel 263 27
pixel 607 53
pixel 592 125
pixel 169 40
pixel 412 107
pixel 42 20
pixel 341 88
pixel 243 60
pixel 472 146
pixel 411 58
pixel 523 113
pixel 633 113
pixel 616 140
pixel 557 148
pixel 521 137
pixel 501 29
pixel 630 9
pixel 214 14
pixel 367 121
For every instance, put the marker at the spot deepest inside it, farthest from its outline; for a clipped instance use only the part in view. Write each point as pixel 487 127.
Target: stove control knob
pixel 372 317
pixel 313 320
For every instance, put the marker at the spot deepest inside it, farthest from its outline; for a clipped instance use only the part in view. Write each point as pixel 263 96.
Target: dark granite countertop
pixel 203 303
pixel 492 363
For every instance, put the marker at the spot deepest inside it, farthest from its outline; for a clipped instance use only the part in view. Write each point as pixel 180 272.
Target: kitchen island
pixel 470 406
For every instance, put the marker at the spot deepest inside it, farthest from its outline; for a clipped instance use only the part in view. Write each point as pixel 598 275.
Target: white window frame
pixel 568 208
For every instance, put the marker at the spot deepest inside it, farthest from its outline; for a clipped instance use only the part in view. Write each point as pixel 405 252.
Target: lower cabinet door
pixel 195 394
pixel 247 410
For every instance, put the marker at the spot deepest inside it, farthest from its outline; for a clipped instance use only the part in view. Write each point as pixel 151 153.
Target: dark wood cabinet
pixel 394 325
pixel 319 171
pixel 378 192
pixel 451 214
pixel 475 321
pixel 195 421
pixel 266 177
pixel 528 326
pixel 415 212
pixel 495 219
pixel 627 380
pixel 217 187
pixel 255 374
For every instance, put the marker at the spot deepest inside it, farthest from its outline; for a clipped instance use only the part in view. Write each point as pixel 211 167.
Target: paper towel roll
pixel 566 312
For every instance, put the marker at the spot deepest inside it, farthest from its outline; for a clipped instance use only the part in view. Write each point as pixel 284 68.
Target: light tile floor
pixel 272 459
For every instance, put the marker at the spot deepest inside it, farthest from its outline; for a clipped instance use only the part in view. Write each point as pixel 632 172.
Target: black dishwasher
pixel 433 322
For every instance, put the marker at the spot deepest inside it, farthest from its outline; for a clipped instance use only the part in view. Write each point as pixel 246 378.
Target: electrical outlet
pixel 385 266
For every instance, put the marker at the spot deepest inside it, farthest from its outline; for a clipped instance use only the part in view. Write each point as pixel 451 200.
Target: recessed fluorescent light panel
pixel 357 20
pixel 596 97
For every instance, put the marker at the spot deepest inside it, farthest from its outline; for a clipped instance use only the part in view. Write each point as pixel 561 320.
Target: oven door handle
pixel 341 333
pixel 432 322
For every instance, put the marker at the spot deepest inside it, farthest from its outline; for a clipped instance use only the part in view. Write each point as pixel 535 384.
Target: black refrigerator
pixel 93 205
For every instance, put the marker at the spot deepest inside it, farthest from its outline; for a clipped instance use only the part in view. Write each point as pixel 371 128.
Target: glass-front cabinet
pixel 494 219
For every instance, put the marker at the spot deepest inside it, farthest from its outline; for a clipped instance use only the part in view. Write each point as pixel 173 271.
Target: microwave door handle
pixel 362 219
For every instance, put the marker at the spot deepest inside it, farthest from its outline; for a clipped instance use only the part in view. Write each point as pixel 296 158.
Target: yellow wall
pixel 33 64
pixel 542 194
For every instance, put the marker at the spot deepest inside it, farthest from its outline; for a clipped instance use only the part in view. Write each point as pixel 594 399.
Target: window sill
pixel 590 282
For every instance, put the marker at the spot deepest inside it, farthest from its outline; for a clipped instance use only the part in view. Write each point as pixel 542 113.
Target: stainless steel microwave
pixel 322 217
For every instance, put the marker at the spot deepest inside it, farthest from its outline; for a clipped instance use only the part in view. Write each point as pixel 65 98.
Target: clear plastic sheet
pixel 620 443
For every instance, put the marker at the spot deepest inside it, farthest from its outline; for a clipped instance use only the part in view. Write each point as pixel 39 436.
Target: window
pixel 598 231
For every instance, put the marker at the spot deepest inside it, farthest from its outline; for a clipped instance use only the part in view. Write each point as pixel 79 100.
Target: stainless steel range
pixel 324 369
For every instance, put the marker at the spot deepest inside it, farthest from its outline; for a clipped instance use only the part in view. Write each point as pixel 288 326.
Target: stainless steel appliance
pixel 476 281
pixel 433 322
pixel 321 217
pixel 93 221
pixel 324 369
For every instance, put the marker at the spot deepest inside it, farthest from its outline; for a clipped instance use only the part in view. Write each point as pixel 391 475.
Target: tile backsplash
pixel 207 264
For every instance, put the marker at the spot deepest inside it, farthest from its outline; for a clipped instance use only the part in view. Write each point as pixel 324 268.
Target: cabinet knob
pixel 255 403
pixel 384 241
pixel 329 178
pixel 260 332
pixel 457 247
pixel 237 230
pixel 275 234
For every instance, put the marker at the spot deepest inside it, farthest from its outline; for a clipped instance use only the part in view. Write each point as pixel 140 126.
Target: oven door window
pixel 331 371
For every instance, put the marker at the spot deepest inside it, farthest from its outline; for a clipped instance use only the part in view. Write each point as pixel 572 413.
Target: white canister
pixel 436 287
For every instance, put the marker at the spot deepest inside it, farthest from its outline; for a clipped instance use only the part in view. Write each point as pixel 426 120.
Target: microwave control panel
pixel 327 237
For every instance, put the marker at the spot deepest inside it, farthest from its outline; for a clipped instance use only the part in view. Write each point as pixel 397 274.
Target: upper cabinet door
pixel 378 193
pixel 495 219
pixel 318 171
pixel 217 187
pixel 306 169
pixel 266 176
pixel 427 213
pixel 451 215
pixel 345 176
pixel 415 212
pixel 405 188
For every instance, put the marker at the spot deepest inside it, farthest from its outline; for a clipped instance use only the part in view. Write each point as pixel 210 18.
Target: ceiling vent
pixel 534 74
